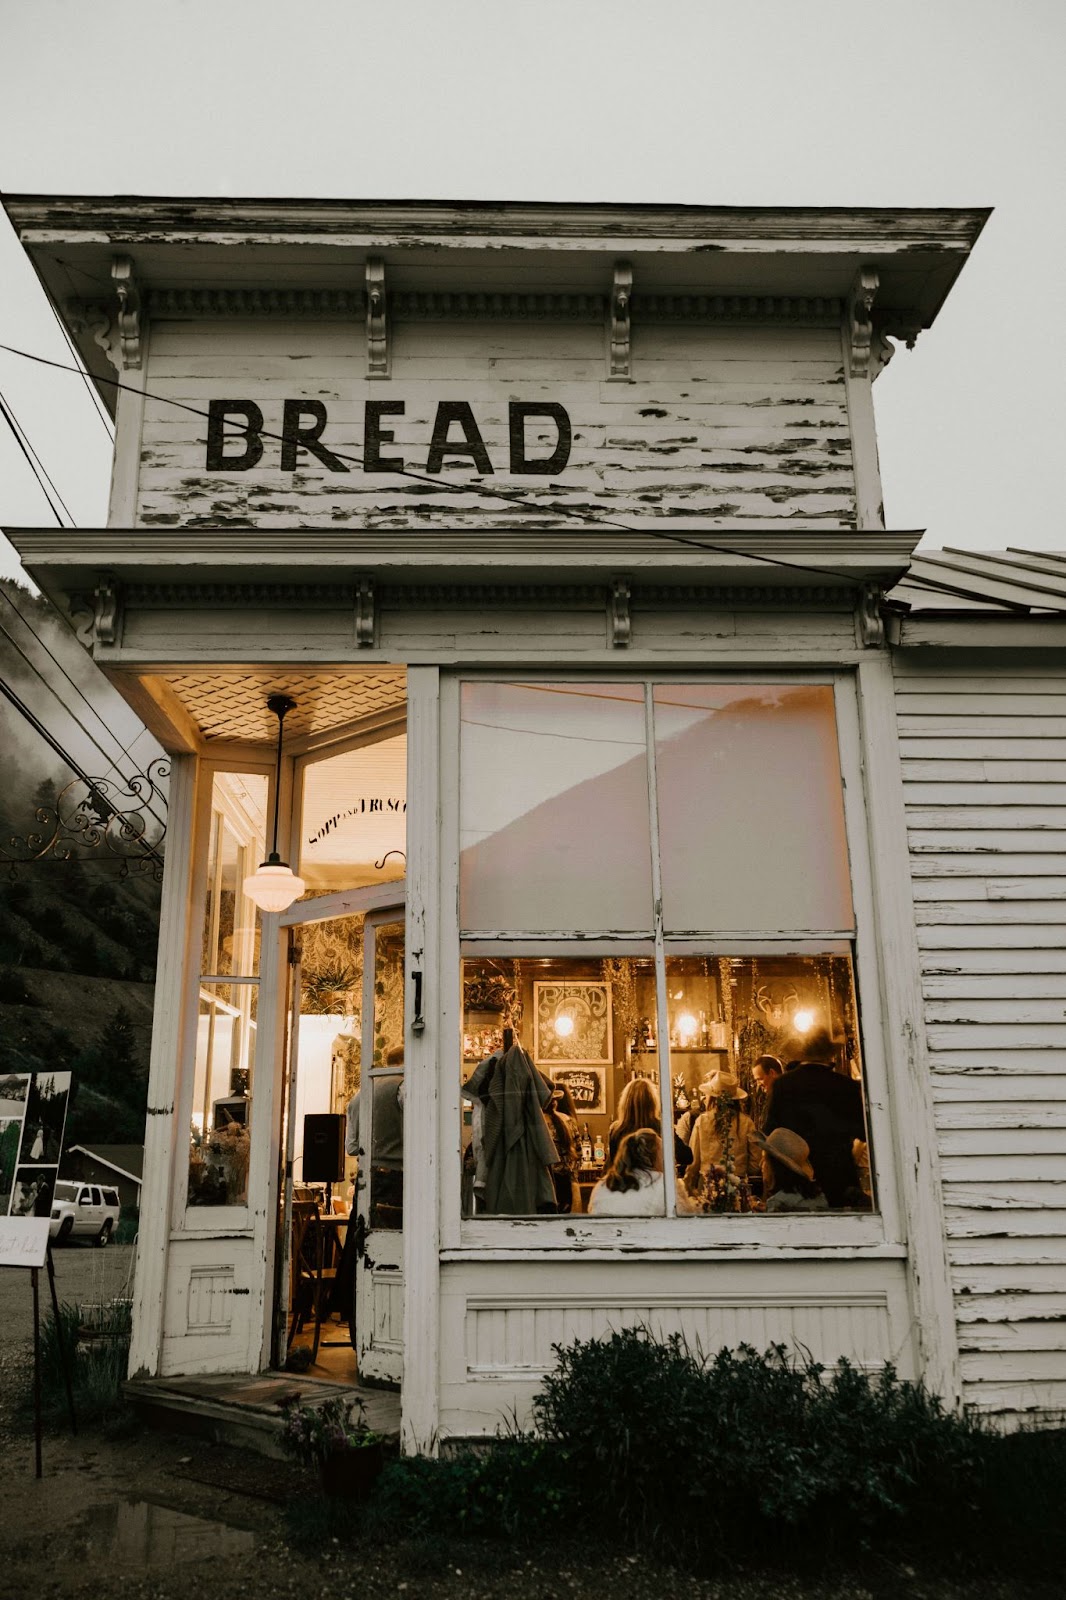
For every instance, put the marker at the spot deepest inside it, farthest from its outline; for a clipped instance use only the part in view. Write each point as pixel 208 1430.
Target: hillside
pixel 77 939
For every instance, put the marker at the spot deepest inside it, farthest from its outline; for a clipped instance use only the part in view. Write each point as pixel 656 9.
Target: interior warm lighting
pixel 564 1025
pixel 687 1027
pixel 803 1021
pixel 274 886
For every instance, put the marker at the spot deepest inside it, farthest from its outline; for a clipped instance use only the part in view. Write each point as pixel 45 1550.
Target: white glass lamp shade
pixel 274 886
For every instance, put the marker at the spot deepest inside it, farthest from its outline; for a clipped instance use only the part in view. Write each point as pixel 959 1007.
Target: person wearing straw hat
pixel 792 1182
pixel 724 1136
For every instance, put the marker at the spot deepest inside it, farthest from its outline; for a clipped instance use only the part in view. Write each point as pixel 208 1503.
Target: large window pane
pixel 751 815
pixel 236 845
pixel 225 1034
pixel 554 828
pixel 767 1048
pixel 354 818
pixel 539 1130
pixel 221 1111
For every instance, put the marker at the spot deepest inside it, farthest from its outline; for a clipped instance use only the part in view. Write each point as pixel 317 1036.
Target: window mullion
pixel 662 1024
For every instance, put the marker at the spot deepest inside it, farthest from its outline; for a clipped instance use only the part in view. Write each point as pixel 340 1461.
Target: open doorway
pixel 339 1312
pixel 339 1286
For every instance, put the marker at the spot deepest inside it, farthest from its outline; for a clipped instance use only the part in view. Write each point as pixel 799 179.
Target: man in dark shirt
pixel 825 1108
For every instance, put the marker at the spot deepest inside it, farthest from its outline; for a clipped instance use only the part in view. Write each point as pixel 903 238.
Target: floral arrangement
pixel 315 1433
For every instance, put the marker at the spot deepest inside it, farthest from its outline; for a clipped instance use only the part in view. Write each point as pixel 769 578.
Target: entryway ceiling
pixel 232 707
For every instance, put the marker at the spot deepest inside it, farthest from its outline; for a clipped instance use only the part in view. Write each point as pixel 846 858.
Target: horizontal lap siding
pixel 720 425
pixel 984 771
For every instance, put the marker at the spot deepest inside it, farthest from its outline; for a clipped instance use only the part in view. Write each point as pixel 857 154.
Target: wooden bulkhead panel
pixel 497 1335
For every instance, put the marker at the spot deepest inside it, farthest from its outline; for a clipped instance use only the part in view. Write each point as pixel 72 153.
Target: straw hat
pixel 790 1149
pixel 723 1086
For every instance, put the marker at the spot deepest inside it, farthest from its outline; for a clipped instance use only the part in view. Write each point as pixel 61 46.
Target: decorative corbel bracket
pixel 882 349
pixel 860 320
pixel 90 316
pixel 618 314
pixel 107 611
pixel 365 614
pixel 869 623
pixel 619 621
pixel 129 310
pixel 377 328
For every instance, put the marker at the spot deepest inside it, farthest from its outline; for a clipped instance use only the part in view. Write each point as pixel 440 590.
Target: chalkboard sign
pixel 587 1085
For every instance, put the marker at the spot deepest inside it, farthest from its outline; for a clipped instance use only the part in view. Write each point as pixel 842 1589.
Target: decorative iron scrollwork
pixel 122 820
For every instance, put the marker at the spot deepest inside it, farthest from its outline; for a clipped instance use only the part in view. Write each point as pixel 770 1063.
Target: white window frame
pixel 835 1235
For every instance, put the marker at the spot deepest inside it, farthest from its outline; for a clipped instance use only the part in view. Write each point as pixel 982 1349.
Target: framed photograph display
pixel 572 1024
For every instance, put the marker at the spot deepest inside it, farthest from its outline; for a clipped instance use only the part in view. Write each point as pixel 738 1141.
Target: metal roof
pixel 1000 582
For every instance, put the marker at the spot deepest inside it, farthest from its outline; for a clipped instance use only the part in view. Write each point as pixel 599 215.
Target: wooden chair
pixel 311 1288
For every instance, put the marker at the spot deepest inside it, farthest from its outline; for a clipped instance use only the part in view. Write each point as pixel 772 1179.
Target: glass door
pixel 379 1185
pixel 345 1027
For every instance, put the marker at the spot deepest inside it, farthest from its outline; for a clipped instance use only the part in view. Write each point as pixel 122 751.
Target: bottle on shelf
pixel 586 1146
pixel 598 1152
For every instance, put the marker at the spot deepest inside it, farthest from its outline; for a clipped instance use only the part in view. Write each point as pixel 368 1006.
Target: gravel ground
pixel 151 1515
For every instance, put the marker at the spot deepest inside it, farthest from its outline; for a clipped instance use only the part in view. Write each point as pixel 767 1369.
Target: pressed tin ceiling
pixel 233 707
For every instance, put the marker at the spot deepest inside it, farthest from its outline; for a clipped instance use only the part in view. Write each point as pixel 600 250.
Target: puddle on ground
pixel 136 1534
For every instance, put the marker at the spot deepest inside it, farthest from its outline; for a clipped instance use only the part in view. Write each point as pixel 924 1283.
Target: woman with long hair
pixel 724 1137
pixel 633 1185
pixel 638 1107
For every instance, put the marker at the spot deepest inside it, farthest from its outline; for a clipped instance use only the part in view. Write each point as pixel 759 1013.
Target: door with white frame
pixel 344 1057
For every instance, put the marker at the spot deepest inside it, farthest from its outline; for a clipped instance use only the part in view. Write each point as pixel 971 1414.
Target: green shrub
pixel 747 1442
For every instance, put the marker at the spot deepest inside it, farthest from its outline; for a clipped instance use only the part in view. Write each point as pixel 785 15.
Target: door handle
pixel 360 1237
pixel 418 1021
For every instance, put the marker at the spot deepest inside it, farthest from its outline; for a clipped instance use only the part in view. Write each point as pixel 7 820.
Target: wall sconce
pixel 275 886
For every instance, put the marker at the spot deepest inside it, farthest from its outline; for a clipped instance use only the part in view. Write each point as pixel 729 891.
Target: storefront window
pixel 554 798
pixel 751 814
pixel 353 819
pixel 739 1075
pixel 226 1022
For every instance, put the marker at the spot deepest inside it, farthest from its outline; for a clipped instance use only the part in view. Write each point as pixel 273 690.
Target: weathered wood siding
pixel 984 759
pixel 720 425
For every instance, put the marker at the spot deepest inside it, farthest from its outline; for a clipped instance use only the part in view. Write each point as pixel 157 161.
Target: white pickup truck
pixel 83 1211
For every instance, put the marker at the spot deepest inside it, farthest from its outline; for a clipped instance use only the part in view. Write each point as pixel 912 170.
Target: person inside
pixel 824 1106
pixel 792 1182
pixel 638 1107
pixel 633 1185
pixel 724 1136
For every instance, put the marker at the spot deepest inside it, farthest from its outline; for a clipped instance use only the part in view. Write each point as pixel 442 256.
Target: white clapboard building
pixel 621 744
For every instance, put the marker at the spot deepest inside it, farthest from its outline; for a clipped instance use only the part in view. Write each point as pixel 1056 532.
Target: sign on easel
pixel 24 1243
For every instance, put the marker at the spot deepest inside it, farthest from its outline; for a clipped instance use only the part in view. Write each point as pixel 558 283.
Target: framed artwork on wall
pixel 572 1024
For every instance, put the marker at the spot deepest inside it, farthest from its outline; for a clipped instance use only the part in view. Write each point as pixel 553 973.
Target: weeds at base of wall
pixel 97 1343
pixel 743 1460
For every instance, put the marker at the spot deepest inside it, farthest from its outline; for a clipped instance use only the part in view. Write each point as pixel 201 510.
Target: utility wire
pixel 78 690
pixel 512 497
pixel 98 407
pixel 40 463
pixel 99 801
pixel 9 418
pixel 110 762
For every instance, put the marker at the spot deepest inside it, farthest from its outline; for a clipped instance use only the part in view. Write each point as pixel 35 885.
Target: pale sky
pixel 753 102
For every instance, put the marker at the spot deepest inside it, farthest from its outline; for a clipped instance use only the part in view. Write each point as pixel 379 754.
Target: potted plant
pixel 337 1440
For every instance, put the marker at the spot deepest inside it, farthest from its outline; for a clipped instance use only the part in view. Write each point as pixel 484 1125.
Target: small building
pixel 517 577
pixel 119 1165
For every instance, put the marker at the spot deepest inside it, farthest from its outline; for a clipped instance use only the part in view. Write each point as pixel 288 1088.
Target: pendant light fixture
pixel 275 886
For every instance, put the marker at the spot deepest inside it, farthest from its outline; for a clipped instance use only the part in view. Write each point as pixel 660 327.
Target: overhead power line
pixel 36 465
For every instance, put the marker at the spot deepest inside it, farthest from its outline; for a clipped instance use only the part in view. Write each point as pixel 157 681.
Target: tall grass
pixel 96 1340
